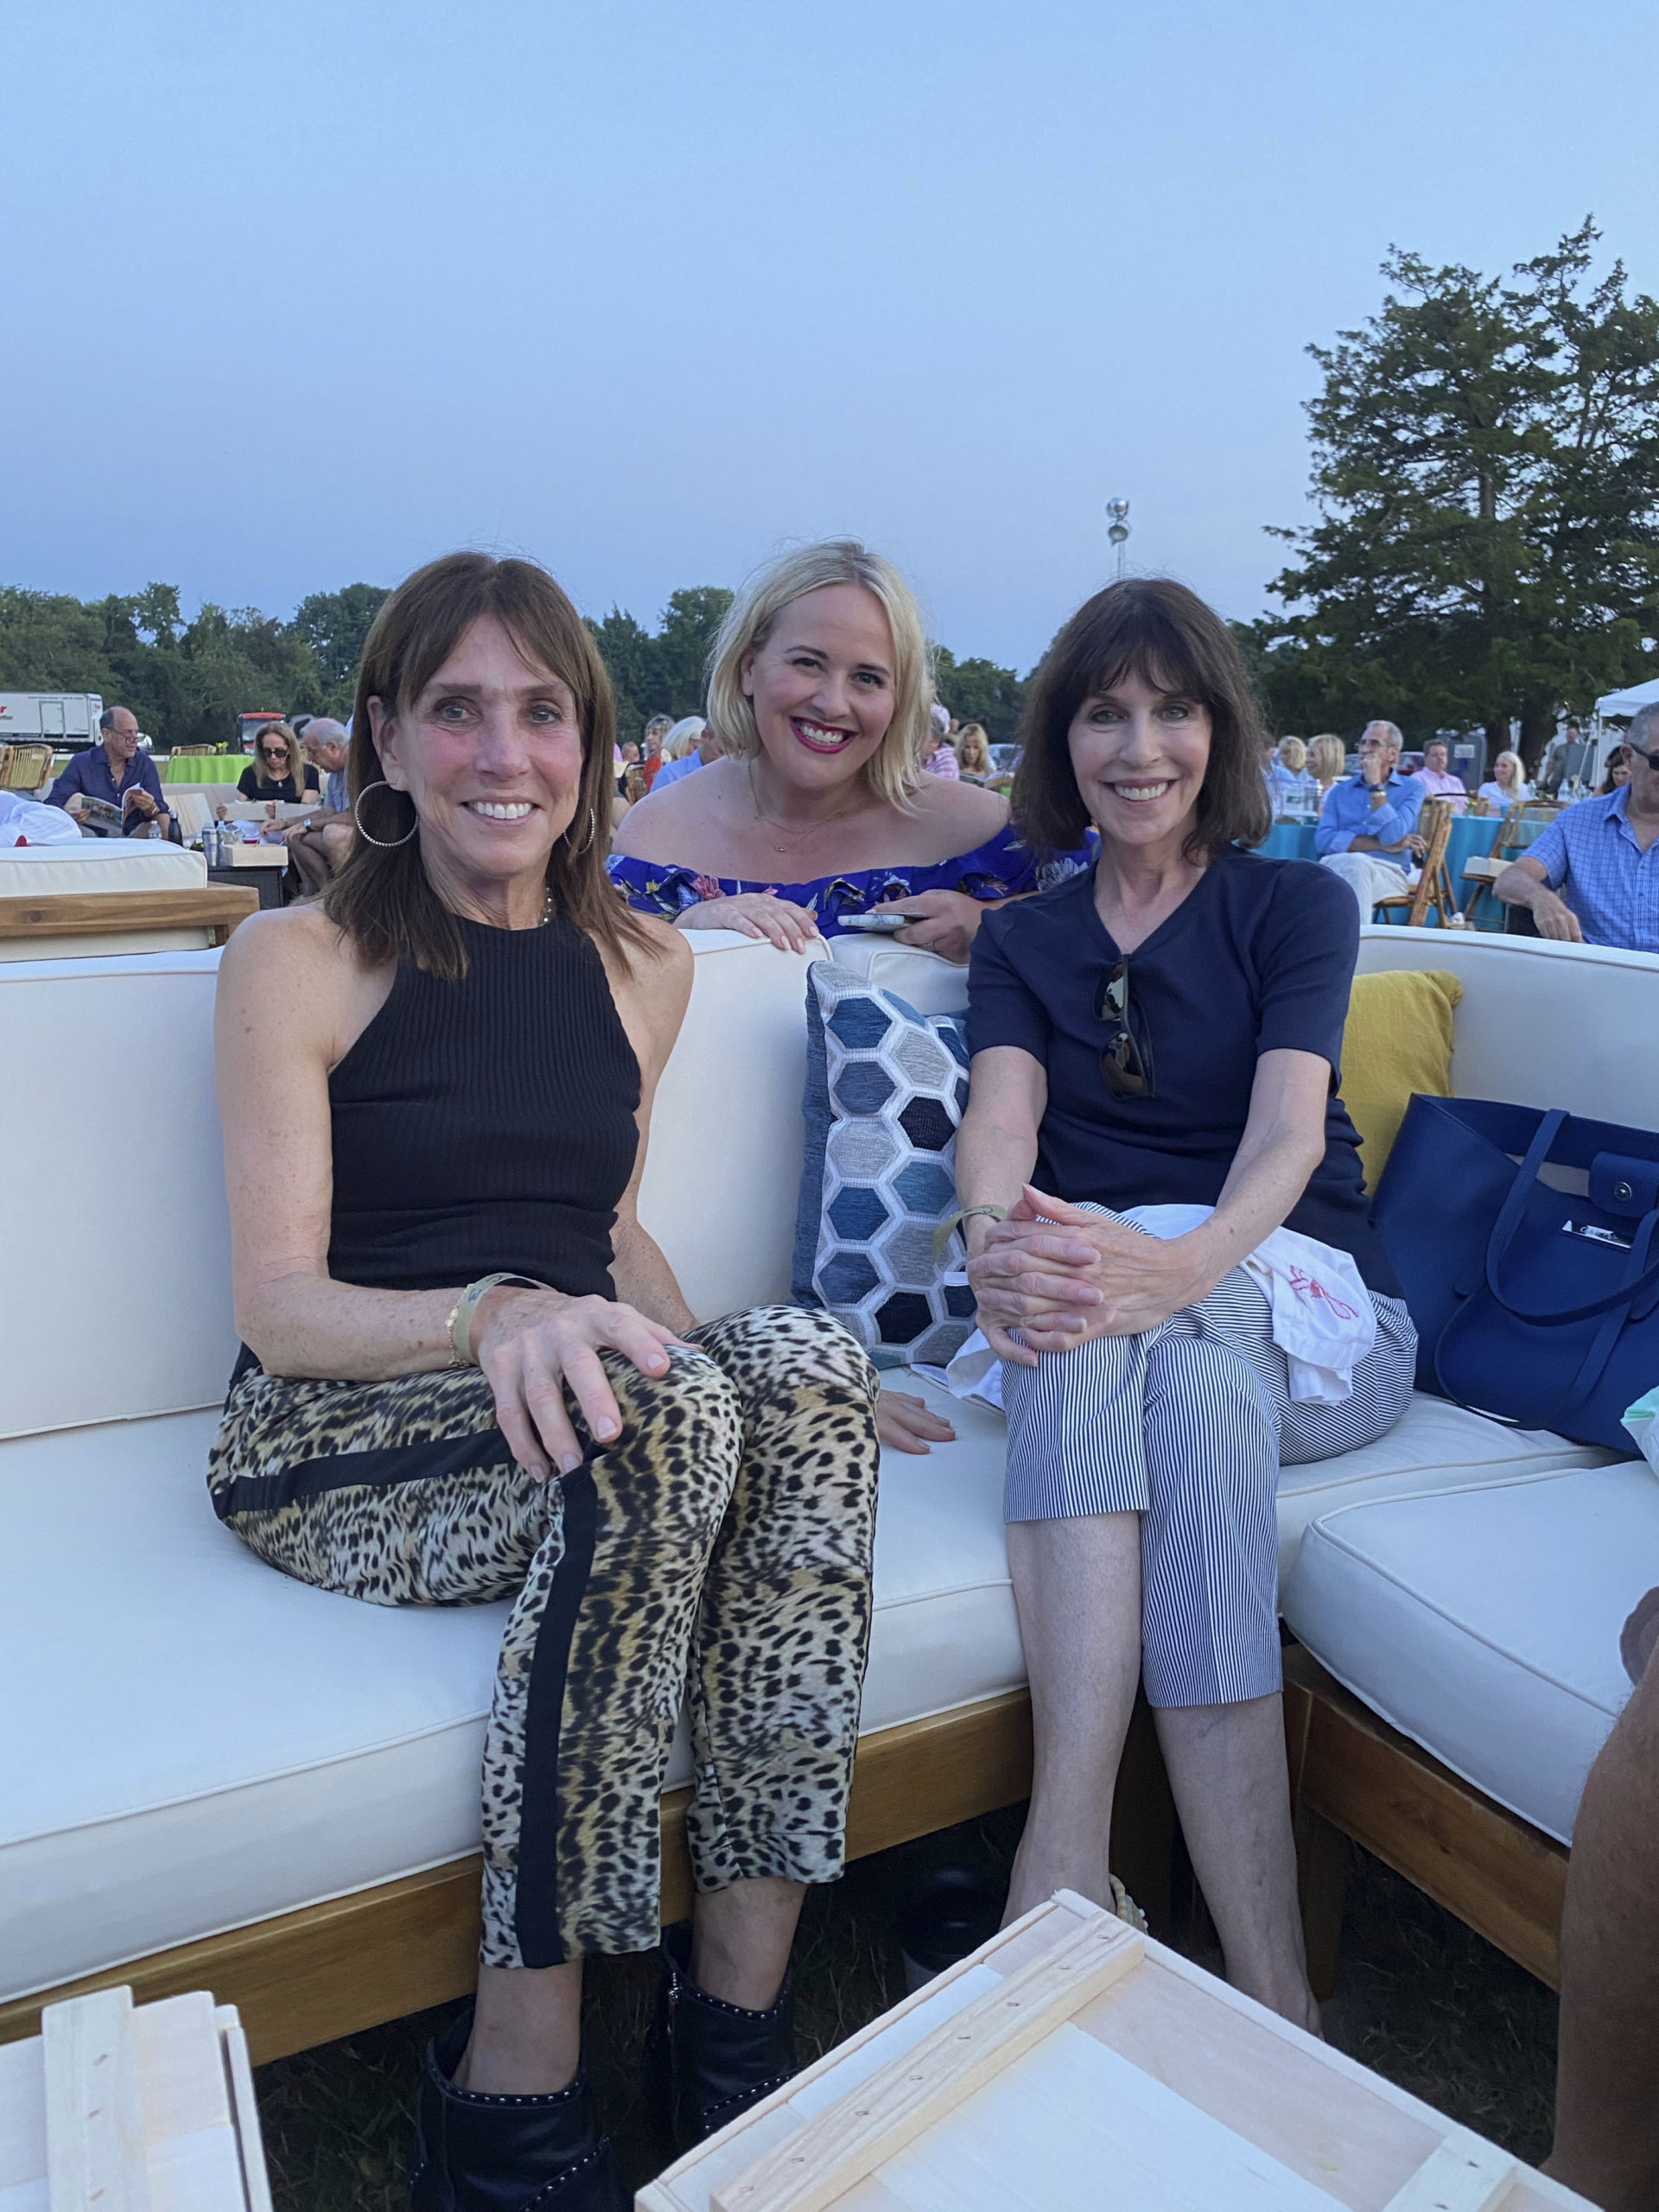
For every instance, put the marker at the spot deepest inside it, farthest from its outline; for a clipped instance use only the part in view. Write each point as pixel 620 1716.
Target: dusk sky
pixel 299 294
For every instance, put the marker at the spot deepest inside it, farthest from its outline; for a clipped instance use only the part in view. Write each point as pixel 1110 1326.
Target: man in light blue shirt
pixel 1593 877
pixel 706 749
pixel 1367 826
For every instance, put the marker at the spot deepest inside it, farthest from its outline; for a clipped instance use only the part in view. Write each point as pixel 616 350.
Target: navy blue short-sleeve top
pixel 1259 956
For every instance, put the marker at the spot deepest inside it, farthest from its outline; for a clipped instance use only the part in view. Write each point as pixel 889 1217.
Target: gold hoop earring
pixel 385 845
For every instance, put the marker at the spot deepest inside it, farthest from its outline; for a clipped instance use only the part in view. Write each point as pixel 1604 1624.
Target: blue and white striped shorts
pixel 1187 1425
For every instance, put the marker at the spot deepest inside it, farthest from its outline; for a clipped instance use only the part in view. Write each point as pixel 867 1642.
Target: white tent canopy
pixel 1626 703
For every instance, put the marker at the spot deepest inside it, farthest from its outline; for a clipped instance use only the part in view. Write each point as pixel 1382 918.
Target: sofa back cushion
pixel 1574 1025
pixel 115 1273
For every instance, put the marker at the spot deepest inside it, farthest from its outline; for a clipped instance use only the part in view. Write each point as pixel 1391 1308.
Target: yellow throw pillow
pixel 1397 1040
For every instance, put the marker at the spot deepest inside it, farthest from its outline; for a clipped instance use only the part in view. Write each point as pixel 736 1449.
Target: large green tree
pixel 1486 469
pixel 665 673
pixel 334 624
pixel 979 691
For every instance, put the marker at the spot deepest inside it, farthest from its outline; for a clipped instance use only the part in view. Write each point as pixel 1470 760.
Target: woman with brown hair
pixel 279 769
pixel 468 1374
pixel 1154 1158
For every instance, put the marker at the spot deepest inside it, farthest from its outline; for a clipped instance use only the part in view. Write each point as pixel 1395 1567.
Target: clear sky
pixel 305 291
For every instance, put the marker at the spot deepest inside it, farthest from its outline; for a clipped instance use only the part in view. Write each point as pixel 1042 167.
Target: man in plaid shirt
pixel 1593 877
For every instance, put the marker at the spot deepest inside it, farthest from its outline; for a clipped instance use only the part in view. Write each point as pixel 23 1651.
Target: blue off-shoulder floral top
pixel 1001 868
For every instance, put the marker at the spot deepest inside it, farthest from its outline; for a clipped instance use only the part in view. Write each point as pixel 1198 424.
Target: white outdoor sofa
pixel 212 1775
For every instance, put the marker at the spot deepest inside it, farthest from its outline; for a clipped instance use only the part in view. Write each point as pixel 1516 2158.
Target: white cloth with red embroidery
pixel 1322 1320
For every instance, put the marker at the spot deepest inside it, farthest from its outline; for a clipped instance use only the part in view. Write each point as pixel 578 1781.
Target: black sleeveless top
pixel 487 1124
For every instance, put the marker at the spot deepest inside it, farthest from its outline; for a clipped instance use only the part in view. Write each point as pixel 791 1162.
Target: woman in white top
pixel 1508 785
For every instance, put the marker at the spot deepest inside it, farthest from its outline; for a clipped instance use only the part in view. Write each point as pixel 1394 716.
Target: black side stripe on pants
pixel 397 1463
pixel 536 1899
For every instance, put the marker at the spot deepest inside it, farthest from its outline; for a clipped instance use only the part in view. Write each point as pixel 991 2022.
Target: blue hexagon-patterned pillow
pixel 885 1091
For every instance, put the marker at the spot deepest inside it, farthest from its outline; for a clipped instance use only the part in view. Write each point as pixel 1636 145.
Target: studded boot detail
pixel 476 2152
pixel 707 2060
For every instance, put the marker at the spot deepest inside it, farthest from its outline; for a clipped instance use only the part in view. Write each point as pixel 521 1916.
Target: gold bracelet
pixel 464 1313
pixel 942 1235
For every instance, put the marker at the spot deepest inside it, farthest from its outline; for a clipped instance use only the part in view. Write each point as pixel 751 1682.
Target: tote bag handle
pixel 1513 1212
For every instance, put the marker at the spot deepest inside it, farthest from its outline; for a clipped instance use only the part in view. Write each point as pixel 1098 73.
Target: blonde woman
pixel 1327 760
pixel 1508 785
pixel 279 769
pixel 974 752
pixel 1295 788
pixel 817 812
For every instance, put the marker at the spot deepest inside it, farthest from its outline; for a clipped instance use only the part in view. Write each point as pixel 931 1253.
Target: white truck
pixel 67 721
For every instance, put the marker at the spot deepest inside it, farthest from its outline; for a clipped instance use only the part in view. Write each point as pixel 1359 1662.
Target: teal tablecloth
pixel 1471 835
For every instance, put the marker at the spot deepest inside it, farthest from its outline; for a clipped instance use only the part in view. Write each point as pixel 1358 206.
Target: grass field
pixel 1419 1999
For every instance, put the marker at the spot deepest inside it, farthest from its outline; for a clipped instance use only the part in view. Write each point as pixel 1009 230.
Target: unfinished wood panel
pixel 1497 1872
pixel 216 907
pixel 251 2146
pixel 1467 2174
pixel 1264 2080
pixel 94 2112
pixel 857 2133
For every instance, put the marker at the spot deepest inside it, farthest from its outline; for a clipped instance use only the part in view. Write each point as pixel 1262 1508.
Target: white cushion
pixel 115 1271
pixel 100 864
pixel 1541 1024
pixel 1485 1622
pixel 191 1741
pixel 1434 1446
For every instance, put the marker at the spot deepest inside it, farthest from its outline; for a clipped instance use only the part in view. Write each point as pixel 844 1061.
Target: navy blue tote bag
pixel 1533 1303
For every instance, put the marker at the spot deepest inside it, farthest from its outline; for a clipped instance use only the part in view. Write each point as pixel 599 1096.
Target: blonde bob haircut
pixel 894 769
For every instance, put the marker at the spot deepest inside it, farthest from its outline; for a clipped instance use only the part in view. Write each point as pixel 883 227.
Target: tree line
pixel 187 682
pixel 1485 547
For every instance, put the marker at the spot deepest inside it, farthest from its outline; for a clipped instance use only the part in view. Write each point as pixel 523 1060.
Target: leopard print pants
pixel 719 1550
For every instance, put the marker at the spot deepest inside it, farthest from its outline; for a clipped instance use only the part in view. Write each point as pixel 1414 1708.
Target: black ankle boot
pixel 707 2060
pixel 480 2153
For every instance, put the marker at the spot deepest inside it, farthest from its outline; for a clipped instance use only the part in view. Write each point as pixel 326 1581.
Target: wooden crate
pixel 1073 2065
pixel 115 2108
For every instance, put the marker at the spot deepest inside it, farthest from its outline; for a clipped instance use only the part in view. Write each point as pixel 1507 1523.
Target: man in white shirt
pixel 25 821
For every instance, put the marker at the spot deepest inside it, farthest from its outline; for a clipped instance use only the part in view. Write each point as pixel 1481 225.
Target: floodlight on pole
pixel 1118 528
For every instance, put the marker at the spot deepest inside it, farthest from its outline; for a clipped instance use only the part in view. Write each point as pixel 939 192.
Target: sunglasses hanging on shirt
pixel 1126 1063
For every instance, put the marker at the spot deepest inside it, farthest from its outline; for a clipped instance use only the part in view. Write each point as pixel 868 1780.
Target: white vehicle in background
pixel 67 721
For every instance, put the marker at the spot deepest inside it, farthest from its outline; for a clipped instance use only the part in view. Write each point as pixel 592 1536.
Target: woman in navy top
pixel 1165 1030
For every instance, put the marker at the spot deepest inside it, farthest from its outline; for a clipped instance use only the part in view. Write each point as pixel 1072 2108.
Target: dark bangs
pixel 1156 630
pixel 382 897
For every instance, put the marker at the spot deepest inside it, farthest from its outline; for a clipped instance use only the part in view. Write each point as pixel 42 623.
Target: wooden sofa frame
pixel 330 1969
pixel 1351 1775
pixel 214 908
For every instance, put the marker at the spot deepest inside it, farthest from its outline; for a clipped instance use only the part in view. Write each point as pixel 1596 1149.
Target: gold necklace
pixel 785 828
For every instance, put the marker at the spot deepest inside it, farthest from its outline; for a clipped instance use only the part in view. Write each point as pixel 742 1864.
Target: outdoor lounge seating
pixel 218 1777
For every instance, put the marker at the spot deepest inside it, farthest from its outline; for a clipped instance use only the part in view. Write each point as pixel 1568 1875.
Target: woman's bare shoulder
pixel 652 985
pixel 663 824
pixel 293 972
pixel 958 817
pixel 297 944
